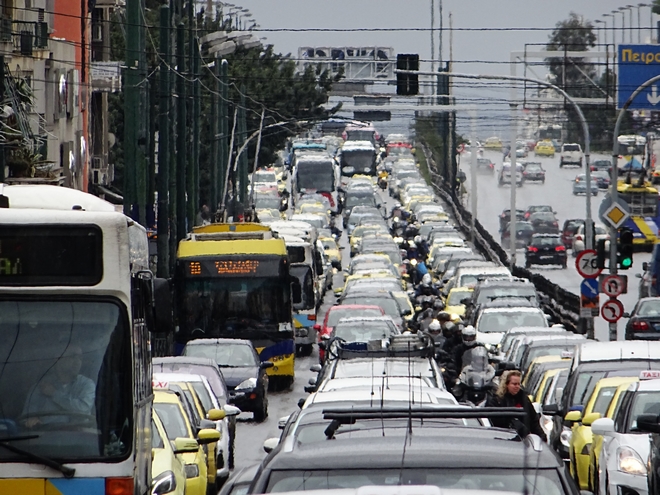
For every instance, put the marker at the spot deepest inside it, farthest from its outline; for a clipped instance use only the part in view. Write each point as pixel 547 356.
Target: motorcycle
pixel 476 380
pixel 382 180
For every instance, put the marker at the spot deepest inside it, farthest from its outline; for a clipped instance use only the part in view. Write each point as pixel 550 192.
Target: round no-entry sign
pixel 612 310
pixel 587 264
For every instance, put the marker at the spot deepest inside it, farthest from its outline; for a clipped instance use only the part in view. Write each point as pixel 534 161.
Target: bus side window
pixel 296 291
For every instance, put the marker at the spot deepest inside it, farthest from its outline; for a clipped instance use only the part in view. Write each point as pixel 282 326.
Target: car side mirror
pixel 184 445
pixel 281 423
pixel 311 381
pixel 231 410
pixel 590 418
pixel 550 409
pixel 208 435
pixel 216 414
pixel 603 426
pixel 316 368
pixel 270 444
pixel 266 364
pixel 573 416
pixel 625 314
pixel 649 423
pixel 301 403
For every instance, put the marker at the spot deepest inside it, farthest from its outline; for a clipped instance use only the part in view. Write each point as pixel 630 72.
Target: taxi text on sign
pixel 638 64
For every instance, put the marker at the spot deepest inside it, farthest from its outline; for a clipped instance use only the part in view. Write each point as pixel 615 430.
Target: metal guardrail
pixel 563 306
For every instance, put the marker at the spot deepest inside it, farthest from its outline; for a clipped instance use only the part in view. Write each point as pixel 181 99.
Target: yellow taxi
pixel 544 383
pixel 531 374
pixel 597 440
pixel 407 309
pixel 544 148
pixel 493 143
pixel 581 436
pixel 178 429
pixel 265 215
pixel 167 471
pixel 453 302
pixel 360 231
pixel 381 275
pixel 332 251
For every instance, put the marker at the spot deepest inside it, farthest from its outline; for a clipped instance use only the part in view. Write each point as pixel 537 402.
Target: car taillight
pixel 560 248
pixel 532 249
pixel 578 237
pixel 641 326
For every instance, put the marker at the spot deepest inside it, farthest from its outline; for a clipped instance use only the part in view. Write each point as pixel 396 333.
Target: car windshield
pixel 571 147
pixel 643 403
pixel 226 354
pixel 172 418
pixel 338 313
pixel 543 215
pixel 267 202
pixel 456 296
pixel 469 280
pixel 263 176
pixel 363 331
pixel 319 175
pixel 503 321
pixel 353 199
pixel 531 481
pixel 649 308
pixel 67 379
pixel 387 304
pixel 534 167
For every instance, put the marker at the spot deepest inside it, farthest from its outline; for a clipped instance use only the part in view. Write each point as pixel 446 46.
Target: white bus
pixel 76 308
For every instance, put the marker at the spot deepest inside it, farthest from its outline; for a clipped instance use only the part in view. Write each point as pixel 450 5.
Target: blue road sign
pixel 638 64
pixel 589 287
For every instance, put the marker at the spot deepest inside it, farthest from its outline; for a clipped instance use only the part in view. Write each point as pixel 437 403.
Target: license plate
pixel 546 257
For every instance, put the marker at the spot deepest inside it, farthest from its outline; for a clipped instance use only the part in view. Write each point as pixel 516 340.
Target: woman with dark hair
pixel 510 394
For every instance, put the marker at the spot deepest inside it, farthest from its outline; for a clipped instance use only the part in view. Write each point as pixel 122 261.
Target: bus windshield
pixel 66 379
pixel 358 161
pixel 216 305
pixel 316 175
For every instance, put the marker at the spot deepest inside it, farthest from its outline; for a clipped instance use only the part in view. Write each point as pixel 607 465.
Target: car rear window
pixel 338 314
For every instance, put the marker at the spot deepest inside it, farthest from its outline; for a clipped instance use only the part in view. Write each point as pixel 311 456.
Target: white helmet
pixel 417 239
pixel 426 279
pixel 435 327
pixel 469 335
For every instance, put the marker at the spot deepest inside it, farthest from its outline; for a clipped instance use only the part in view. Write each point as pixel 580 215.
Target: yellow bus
pixel 232 281
pixel 644 218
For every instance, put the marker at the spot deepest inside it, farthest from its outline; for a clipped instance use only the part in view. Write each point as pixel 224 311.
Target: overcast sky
pixel 491 48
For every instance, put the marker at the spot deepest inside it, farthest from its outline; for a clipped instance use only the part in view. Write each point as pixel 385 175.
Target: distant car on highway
pixel 546 249
pixel 580 185
pixel 602 178
pixel 644 322
pixel 579 238
pixel 603 165
pixel 484 165
pixel 569 229
pixel 505 217
pixel 544 148
pixel 524 233
pixel 534 171
pixel 544 222
pixel 571 154
pixel 505 175
pixel 493 143
pixel 537 208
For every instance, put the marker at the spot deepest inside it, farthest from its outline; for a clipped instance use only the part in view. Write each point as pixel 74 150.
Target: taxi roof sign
pixel 649 374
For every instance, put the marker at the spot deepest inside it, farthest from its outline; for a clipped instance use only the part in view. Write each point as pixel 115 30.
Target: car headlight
pixel 163 483
pixel 630 462
pixel 547 424
pixel 248 384
pixel 565 436
pixel 191 470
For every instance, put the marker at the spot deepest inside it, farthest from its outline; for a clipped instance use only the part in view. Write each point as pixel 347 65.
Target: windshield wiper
pixel 66 471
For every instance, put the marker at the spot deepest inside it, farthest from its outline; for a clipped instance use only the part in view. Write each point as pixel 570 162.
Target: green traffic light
pixel 626 262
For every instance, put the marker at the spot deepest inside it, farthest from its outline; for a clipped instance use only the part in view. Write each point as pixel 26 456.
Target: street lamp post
pixel 613 32
pixel 623 25
pixel 623 34
pixel 599 21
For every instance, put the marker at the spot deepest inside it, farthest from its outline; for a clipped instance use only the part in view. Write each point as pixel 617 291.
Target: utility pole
pixel 132 103
pixel 163 269
pixel 197 111
pixel 181 141
pixel 213 161
pixel 223 115
pixel 243 159
pixel 2 97
pixel 191 207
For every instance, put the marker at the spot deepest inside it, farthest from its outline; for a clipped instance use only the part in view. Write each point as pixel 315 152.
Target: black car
pixel 505 217
pixel 546 249
pixel 644 322
pixel 524 233
pixel 544 222
pixel 602 178
pixel 244 373
pixel 440 450
pixel 536 209
pixel 534 171
pixel 604 165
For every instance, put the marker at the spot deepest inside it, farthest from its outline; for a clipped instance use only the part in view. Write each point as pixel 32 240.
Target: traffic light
pixel 407 84
pixel 624 253
pixel 601 254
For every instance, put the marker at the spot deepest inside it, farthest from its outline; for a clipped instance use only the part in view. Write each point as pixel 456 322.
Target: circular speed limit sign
pixel 587 264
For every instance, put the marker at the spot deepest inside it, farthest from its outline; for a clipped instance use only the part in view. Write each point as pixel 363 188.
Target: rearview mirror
pixel 550 409
pixel 590 418
pixel 573 416
pixel 216 414
pixel 208 435
pixel 270 444
pixel 266 364
pixel 602 426
pixel 185 445
pixel 231 410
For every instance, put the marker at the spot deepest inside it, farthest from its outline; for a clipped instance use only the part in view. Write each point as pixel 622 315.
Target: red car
pixel 336 313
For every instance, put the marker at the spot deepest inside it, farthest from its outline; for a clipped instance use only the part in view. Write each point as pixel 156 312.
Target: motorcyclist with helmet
pixel 426 288
pixel 462 355
pixel 422 246
pixel 475 383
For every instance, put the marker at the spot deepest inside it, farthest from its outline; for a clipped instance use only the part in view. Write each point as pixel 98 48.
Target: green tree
pixel 656 6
